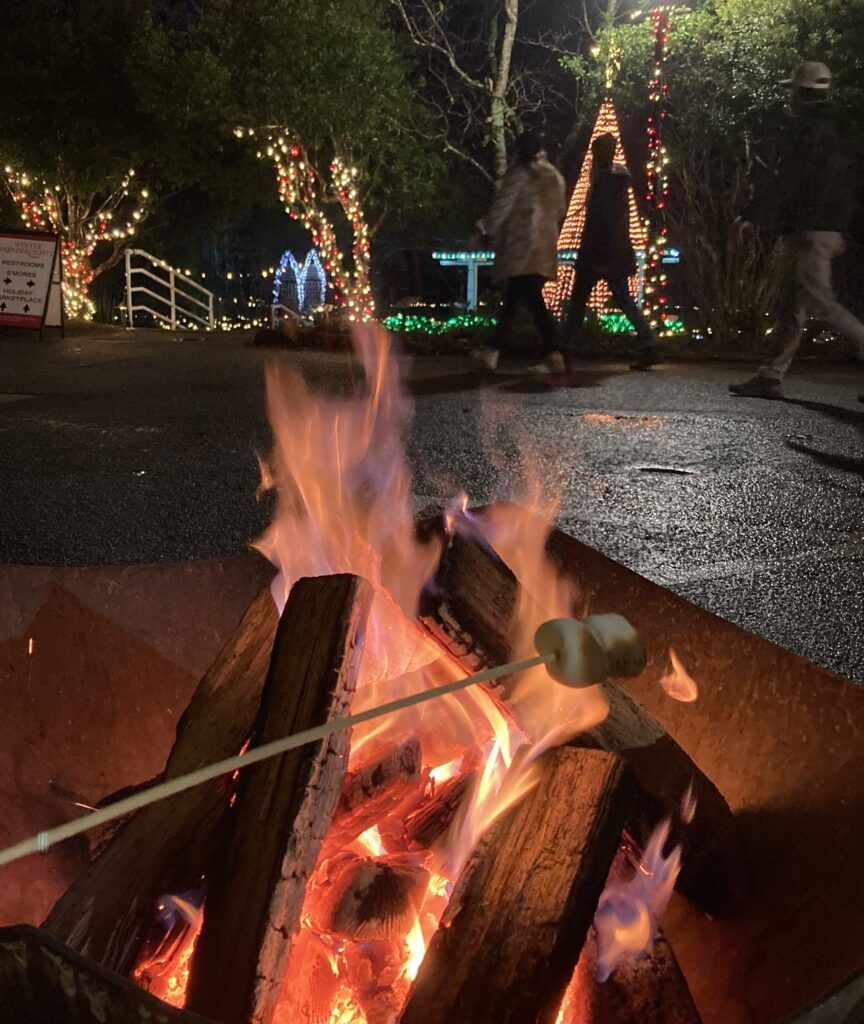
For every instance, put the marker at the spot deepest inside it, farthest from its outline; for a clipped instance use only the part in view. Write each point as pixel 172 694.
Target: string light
pixel 43 209
pixel 311 272
pixel 298 186
pixel 414 323
pixel 657 178
pixel 611 321
pixel 557 293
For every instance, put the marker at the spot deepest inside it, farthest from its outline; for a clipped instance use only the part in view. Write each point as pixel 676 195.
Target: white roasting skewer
pixel 577 653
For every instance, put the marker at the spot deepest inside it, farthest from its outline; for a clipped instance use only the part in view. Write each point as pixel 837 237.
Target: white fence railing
pixel 179 300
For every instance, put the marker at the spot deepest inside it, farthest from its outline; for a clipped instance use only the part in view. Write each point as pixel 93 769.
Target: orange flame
pixel 343 505
pixel 678 682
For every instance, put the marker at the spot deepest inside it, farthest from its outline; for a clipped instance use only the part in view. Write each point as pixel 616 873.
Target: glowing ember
pixel 678 682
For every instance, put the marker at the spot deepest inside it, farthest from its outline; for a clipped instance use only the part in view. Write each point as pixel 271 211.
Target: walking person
pixel 524 223
pixel 810 204
pixel 606 252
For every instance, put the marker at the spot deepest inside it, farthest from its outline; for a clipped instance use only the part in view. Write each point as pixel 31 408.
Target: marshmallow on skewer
pixel 587 651
pixel 620 641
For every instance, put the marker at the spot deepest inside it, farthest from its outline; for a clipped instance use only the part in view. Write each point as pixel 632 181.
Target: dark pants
pixel 527 291
pixel 623 300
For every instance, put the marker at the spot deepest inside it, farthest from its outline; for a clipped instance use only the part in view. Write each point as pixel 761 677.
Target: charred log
pixel 650 990
pixel 510 938
pixel 283 808
pixel 109 912
pixel 432 820
pixel 44 982
pixel 473 602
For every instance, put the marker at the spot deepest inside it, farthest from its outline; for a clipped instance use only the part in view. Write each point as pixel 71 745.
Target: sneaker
pixel 486 357
pixel 758 387
pixel 553 363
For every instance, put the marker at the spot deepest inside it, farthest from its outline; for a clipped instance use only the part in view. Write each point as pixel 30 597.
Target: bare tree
pixel 482 93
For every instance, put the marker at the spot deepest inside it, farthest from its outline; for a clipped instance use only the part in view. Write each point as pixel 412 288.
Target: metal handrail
pixel 159 280
pixel 174 284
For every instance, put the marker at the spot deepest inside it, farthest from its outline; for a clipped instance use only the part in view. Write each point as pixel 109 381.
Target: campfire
pixel 499 854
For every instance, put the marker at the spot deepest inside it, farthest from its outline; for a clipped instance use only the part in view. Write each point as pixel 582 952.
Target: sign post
pixel 27 278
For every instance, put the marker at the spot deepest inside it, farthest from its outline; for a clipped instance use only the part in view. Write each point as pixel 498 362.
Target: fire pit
pixel 449 863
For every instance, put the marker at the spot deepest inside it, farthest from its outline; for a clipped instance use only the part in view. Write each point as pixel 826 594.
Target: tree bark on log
pixel 470 608
pixel 648 991
pixel 510 938
pixel 284 806
pixel 432 820
pixel 44 982
pixel 373 790
pixel 108 913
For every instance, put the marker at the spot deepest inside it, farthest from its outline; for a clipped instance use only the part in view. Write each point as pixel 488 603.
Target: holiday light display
pixel 300 189
pixel 309 281
pixel 558 292
pixel 415 323
pixel 82 228
pixel 657 178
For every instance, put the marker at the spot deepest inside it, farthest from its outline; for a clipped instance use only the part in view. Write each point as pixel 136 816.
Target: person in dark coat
pixel 524 223
pixel 809 202
pixel 606 251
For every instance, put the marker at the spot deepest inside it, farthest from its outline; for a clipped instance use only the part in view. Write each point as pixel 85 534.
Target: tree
pixel 332 110
pixel 726 117
pixel 489 70
pixel 74 136
pixel 159 87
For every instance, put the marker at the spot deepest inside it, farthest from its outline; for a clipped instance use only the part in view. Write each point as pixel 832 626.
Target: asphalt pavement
pixel 133 449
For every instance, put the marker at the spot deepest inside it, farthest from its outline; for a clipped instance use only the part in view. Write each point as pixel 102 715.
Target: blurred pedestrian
pixel 606 251
pixel 810 202
pixel 524 223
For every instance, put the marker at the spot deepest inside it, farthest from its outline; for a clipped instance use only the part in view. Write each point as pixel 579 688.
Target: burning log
pixel 284 806
pixel 109 911
pixel 42 982
pixel 510 938
pixel 361 898
pixel 425 826
pixel 650 990
pixel 372 791
pixel 471 609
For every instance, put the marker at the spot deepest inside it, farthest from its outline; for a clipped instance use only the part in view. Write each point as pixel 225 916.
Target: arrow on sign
pixel 2 306
pixel 7 280
pixel 26 309
pixel 30 284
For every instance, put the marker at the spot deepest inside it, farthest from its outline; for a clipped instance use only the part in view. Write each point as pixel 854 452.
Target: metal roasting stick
pixel 42 841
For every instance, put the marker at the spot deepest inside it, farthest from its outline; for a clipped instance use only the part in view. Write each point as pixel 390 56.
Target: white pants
pixel 811 294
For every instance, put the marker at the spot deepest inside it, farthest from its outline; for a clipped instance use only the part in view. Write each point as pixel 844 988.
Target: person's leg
pixel 543 319
pixel 789 327
pixel 822 303
pixel 645 337
pixel 572 331
pixel 512 299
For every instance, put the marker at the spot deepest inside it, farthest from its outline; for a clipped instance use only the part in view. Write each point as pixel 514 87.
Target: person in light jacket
pixel 809 202
pixel 524 224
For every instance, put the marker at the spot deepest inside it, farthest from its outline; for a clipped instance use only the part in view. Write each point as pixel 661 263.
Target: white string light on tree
pixel 305 193
pixel 82 227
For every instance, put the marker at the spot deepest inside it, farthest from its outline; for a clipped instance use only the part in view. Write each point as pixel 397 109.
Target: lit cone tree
pixel 93 230
pixel 558 292
pixel 308 196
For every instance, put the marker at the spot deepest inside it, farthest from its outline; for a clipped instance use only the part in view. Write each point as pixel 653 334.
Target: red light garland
pixel 299 186
pixel 51 209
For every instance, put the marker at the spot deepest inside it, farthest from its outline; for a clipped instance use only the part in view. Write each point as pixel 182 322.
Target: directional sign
pixel 26 264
